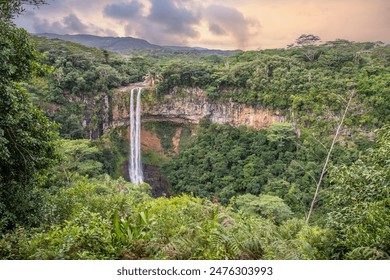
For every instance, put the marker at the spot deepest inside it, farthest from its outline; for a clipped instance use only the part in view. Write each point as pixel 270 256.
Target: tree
pixel 81 157
pixel 359 203
pixel 267 206
pixel 27 138
pixel 307 40
pixel 281 133
pixel 106 55
pixel 10 8
pixel 152 78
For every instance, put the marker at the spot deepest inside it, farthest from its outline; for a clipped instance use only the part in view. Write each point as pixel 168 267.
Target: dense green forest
pixel 238 193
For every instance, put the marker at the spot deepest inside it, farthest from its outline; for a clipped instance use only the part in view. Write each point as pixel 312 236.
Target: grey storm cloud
pixel 174 19
pixel 123 10
pixel 69 24
pixel 216 29
pixel 73 23
pixel 166 22
pixel 227 20
pixel 60 27
pixel 158 21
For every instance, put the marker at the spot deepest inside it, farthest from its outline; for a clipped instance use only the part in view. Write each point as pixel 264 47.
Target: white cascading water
pixel 135 166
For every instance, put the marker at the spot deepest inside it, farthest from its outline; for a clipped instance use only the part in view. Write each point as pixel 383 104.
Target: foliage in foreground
pixel 27 138
pixel 359 204
pixel 102 218
pixel 112 219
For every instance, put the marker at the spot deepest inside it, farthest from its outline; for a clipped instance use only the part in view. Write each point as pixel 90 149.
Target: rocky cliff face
pixel 191 106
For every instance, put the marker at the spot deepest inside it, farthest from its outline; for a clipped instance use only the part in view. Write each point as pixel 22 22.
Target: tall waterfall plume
pixel 135 166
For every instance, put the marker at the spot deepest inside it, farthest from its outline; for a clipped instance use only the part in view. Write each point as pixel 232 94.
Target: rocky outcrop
pixel 176 140
pixel 149 140
pixel 191 106
pixel 194 106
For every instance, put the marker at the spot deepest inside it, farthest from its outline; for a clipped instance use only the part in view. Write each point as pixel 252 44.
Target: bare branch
pixel 325 167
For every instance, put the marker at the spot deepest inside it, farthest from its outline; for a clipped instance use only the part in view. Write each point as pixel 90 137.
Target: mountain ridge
pixel 127 44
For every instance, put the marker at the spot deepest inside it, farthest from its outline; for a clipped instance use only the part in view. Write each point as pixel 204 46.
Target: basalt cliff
pixel 188 106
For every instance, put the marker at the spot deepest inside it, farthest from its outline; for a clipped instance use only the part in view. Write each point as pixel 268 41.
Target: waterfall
pixel 135 166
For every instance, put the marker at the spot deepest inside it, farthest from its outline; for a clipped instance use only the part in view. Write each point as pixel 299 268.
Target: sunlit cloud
pixel 227 24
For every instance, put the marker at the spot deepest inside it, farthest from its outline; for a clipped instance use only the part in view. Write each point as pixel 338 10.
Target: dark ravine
pixel 152 176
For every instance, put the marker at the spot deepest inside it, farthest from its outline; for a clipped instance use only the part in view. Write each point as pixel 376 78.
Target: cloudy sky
pixel 223 24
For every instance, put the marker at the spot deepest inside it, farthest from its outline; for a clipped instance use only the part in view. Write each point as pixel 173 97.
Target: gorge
pixel 189 108
pixel 177 115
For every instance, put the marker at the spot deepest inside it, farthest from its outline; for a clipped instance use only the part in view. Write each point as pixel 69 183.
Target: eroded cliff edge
pixel 189 105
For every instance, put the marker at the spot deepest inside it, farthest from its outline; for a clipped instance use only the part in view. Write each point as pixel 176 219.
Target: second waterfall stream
pixel 135 165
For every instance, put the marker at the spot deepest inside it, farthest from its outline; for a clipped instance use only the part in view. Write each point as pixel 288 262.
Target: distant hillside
pixel 126 44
